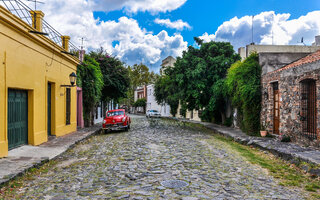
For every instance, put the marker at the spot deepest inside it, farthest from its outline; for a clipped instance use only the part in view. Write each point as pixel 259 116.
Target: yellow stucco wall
pixel 28 62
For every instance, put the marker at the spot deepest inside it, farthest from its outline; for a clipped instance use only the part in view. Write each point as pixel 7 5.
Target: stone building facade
pixel 291 100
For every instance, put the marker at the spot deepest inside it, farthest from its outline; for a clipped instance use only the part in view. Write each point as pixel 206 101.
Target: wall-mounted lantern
pixel 72 78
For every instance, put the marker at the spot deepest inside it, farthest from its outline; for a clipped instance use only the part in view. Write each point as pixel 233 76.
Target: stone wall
pixel 289 81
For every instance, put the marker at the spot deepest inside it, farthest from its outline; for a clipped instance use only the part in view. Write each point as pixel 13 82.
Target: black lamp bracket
pixel 68 86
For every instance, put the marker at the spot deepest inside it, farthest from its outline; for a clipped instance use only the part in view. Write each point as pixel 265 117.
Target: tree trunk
pixel 223 117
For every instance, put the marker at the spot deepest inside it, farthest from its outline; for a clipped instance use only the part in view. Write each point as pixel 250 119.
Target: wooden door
pixel 17 118
pixel 49 109
pixel 276 112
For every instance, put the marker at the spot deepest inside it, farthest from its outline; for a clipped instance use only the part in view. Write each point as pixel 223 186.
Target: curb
pixel 44 160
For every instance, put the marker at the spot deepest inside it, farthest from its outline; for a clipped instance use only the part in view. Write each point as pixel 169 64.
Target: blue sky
pixel 208 15
pixel 148 31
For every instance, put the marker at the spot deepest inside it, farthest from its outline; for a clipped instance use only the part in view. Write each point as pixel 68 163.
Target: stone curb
pixel 286 151
pixel 41 161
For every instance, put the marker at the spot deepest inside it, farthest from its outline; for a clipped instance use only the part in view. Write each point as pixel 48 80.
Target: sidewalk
pixel 23 158
pixel 287 151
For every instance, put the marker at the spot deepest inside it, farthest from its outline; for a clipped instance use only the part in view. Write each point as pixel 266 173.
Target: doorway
pixel 276 108
pixel 308 109
pixel 17 118
pixel 49 109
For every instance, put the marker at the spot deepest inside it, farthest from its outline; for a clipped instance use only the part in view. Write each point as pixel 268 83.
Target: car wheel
pixel 129 126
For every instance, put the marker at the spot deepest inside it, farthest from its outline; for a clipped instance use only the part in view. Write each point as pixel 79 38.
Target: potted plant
pixel 263 131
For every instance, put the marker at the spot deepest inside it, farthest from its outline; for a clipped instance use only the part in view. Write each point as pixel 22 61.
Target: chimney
pixel 81 55
pixel 37 17
pixel 65 42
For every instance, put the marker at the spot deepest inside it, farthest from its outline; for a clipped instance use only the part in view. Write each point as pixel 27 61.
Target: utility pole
pixel 81 43
pixel 252 29
pixel 35 3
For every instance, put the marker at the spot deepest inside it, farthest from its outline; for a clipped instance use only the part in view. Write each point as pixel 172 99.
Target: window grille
pixel 308 109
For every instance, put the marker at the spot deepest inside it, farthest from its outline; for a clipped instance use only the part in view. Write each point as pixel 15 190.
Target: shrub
pixel 244 86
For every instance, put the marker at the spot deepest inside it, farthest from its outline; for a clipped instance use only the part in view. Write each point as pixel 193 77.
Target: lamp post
pixel 72 78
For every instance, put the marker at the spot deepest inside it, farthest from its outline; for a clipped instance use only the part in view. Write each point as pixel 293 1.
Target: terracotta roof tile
pixel 305 60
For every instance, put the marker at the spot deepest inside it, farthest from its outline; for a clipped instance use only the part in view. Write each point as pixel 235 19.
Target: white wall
pixel 152 104
pixel 151 99
pixel 100 117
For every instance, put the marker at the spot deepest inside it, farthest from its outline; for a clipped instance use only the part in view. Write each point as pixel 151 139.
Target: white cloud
pixel 269 28
pixel 179 24
pixel 123 38
pixel 133 6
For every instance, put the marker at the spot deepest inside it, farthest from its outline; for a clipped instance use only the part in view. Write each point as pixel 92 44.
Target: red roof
pixel 305 60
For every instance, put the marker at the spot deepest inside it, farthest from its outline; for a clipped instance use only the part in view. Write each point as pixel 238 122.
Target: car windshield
pixel 155 111
pixel 115 113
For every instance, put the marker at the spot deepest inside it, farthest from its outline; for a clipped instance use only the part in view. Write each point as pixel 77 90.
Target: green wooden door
pixel 49 109
pixel 17 118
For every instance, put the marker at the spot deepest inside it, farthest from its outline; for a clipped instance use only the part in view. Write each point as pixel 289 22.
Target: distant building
pixel 167 62
pixel 140 93
pixel 152 104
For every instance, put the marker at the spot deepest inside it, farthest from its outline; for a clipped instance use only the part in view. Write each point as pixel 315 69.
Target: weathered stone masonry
pixel 289 80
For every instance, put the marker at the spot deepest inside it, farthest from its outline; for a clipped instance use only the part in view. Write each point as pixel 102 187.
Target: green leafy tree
pixel 199 73
pixel 90 78
pixel 243 84
pixel 115 77
pixel 139 75
pixel 140 103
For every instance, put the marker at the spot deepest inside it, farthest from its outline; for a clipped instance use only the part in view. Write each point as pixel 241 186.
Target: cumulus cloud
pixel 179 24
pixel 269 28
pixel 123 38
pixel 133 6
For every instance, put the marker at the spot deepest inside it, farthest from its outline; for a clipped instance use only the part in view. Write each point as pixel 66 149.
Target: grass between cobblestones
pixel 10 189
pixel 288 174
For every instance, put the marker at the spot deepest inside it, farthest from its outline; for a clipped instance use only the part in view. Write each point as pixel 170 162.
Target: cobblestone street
pixel 134 164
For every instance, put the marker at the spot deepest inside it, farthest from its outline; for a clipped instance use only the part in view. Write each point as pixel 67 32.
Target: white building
pixel 98 115
pixel 152 104
pixel 102 109
pixel 167 62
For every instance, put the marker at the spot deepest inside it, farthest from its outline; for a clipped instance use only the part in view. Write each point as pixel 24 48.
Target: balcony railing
pixel 22 11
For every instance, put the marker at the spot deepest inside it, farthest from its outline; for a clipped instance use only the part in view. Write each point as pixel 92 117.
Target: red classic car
pixel 116 120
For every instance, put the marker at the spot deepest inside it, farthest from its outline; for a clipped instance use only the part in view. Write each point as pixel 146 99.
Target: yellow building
pixel 36 97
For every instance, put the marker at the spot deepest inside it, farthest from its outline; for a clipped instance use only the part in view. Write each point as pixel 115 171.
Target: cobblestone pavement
pixel 132 165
